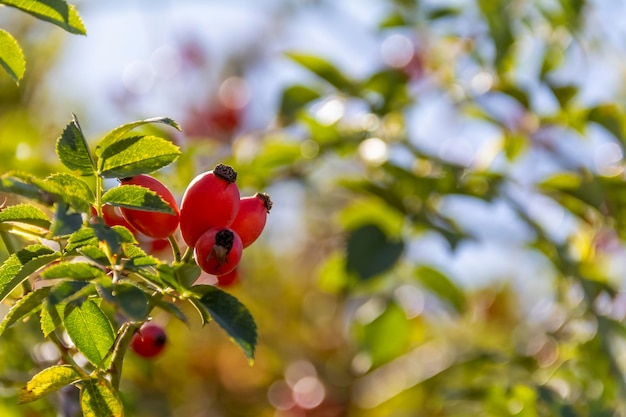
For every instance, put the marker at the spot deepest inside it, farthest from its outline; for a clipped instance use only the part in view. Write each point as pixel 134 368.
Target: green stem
pixel 119 350
pixel 99 189
pixel 175 248
pixel 188 256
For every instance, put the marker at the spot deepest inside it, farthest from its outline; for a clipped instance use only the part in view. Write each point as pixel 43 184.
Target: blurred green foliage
pixel 356 315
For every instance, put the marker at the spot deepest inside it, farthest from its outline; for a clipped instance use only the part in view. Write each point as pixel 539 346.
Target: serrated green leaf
pixel 441 286
pixel 21 264
pixel 24 307
pixel 83 237
pixel 232 316
pixel 49 380
pixel 187 274
pixel 136 155
pixel 74 270
pixel 125 235
pixel 25 213
pixel 137 257
pixel 95 254
pixel 57 12
pixel 29 186
pixel 91 331
pixel 73 151
pixel 76 192
pixel 136 197
pixel 98 398
pixel 50 317
pixel 11 56
pixel 371 252
pixel 118 133
pixel 322 69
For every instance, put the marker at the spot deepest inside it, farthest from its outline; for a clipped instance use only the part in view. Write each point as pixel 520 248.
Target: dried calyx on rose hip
pixel 149 340
pixel 251 218
pixel 210 200
pixel 218 251
pixel 153 224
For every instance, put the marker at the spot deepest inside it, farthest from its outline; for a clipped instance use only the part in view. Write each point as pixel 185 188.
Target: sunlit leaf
pixel 136 155
pixel 22 264
pixel 49 380
pixel 73 151
pixel 76 192
pixel 118 133
pixel 11 56
pixel 24 307
pixel 90 330
pixel 25 213
pixel 57 12
pixel 73 270
pixel 98 398
pixel 136 197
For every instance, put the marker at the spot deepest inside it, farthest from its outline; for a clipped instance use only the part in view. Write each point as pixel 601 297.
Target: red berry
pixel 151 223
pixel 210 200
pixel 113 217
pixel 228 279
pixel 149 340
pixel 218 251
pixel 251 217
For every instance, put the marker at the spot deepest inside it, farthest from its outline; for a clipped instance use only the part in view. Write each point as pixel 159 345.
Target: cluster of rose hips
pixel 213 219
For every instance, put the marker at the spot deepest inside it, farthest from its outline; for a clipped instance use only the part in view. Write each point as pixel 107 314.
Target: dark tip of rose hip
pixel 225 238
pixel 267 201
pixel 160 340
pixel 225 172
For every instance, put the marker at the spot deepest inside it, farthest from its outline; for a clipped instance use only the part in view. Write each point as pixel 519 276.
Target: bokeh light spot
pixel 373 151
pixel 309 392
pixel 234 93
pixel 396 50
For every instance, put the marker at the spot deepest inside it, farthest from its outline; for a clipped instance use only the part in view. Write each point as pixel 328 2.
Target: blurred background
pixel 448 187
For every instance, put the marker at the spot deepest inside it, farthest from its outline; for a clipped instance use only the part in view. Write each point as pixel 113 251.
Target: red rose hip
pixel 154 224
pixel 210 200
pixel 218 251
pixel 149 340
pixel 251 217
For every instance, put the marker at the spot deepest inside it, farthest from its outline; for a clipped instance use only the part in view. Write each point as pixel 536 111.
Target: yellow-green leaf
pixel 57 12
pixel 98 398
pixel 47 381
pixel 11 56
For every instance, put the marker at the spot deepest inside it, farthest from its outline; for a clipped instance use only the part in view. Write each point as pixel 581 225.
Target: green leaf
pixel 91 331
pixel 83 237
pixel 131 300
pixel 57 12
pixel 187 274
pixel 440 285
pixel 370 252
pixel 47 381
pixel 76 192
pixel 118 133
pixel 322 69
pixel 70 292
pixel 98 398
pixel 24 307
pixel 73 151
pixel 564 93
pixel 74 270
pixel 106 234
pixel 295 98
pixel 136 197
pixel 96 254
pixel 388 336
pixel 29 186
pixel 232 316
pixel 50 317
pixel 125 235
pixel 171 308
pixel 25 213
pixel 11 56
pixel 65 223
pixel 136 155
pixel 21 264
